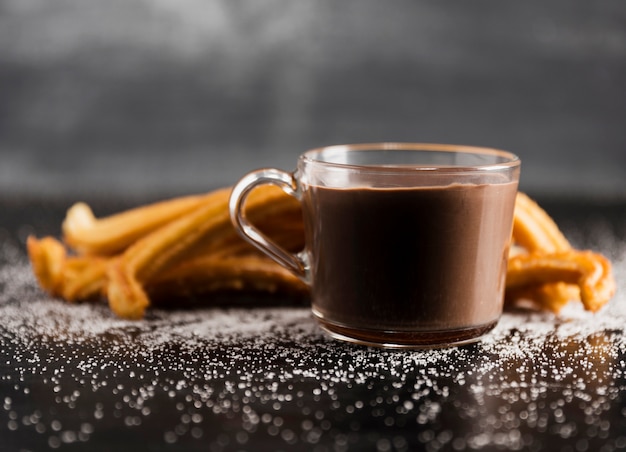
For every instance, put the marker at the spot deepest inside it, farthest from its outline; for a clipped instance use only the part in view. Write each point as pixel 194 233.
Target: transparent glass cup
pixel 406 244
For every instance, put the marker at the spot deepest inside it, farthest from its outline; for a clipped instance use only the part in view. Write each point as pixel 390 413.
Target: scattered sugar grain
pixel 242 365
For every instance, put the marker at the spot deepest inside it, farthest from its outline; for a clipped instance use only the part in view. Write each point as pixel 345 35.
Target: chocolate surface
pixel 409 259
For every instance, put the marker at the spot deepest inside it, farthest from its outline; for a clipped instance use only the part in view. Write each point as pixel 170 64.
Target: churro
pixel 86 234
pixel 167 246
pixel 72 278
pixel 591 272
pixel 534 229
pixel 248 272
pixel 47 257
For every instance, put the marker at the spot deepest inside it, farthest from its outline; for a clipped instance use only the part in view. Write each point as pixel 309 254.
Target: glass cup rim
pixel 509 159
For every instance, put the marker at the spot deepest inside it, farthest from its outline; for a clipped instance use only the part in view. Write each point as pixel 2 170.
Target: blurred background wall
pixel 163 97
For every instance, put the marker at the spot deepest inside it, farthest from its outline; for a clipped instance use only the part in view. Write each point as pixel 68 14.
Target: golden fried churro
pixel 150 253
pixel 280 220
pixel 250 272
pixel 590 271
pixel 165 246
pixel 47 257
pixel 69 277
pixel 549 297
pixel 84 278
pixel 86 234
pixel 534 229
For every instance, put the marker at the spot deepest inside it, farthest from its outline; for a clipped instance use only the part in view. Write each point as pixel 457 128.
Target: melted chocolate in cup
pixel 409 266
pixel 406 244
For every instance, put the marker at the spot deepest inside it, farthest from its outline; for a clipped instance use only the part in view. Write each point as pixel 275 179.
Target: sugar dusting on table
pixel 270 372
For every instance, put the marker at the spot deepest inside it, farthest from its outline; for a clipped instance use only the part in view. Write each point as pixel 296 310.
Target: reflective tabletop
pixel 258 373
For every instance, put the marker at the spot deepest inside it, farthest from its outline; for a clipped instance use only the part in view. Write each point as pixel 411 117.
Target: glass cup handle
pixel 297 263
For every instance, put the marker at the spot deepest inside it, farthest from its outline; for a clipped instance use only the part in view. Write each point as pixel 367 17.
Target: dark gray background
pixel 163 97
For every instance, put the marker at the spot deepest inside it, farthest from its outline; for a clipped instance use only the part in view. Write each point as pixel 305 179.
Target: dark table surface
pixel 264 377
